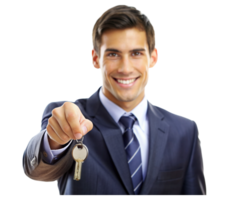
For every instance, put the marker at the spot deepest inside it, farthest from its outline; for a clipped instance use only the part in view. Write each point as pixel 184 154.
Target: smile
pixel 125 82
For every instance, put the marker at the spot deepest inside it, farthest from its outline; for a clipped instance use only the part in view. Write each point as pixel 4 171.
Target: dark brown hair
pixel 121 17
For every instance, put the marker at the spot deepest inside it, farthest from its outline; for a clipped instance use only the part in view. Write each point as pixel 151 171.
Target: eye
pixel 138 52
pixel 111 53
pixel 132 53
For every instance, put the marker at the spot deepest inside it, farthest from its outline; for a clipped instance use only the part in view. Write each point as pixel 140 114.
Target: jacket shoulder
pixel 176 122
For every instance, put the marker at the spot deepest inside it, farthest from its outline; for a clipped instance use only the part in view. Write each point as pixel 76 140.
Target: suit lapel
pixel 158 133
pixel 113 138
pixel 114 142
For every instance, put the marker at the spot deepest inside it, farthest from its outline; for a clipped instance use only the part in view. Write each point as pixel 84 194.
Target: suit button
pixel 33 161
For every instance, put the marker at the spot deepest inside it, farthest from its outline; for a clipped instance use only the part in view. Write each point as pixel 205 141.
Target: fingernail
pixel 84 128
pixel 78 135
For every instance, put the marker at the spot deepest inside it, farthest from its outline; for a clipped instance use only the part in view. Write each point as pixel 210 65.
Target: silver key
pixel 79 154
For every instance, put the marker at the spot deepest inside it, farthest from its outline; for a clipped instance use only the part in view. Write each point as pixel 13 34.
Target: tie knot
pixel 127 121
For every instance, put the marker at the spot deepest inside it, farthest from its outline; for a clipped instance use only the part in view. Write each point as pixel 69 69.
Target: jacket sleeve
pixel 194 182
pixel 33 164
pixel 51 156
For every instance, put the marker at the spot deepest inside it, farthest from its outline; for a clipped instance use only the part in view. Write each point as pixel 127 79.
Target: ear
pixel 154 58
pixel 95 59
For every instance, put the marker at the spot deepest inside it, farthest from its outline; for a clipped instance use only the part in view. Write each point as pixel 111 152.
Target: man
pixel 135 147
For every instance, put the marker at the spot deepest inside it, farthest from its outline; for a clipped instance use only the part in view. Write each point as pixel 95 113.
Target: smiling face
pixel 124 61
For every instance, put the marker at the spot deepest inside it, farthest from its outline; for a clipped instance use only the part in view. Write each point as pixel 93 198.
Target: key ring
pixel 80 141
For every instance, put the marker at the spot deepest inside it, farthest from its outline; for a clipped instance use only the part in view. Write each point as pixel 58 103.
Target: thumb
pixel 86 126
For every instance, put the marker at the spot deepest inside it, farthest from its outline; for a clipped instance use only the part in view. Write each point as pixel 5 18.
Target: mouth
pixel 124 82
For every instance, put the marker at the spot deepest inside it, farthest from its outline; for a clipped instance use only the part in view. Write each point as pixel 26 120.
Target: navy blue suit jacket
pixel 175 161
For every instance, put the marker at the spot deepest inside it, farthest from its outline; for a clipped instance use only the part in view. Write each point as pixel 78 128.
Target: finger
pixel 53 136
pixel 86 126
pixel 59 115
pixel 73 117
pixel 57 129
pixel 74 123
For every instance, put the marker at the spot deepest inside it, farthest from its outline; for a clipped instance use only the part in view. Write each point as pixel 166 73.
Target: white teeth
pixel 126 81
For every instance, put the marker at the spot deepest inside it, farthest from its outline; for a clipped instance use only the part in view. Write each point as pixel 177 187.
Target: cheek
pixel 108 71
pixel 106 74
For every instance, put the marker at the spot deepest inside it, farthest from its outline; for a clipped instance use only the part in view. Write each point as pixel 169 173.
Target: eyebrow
pixel 116 50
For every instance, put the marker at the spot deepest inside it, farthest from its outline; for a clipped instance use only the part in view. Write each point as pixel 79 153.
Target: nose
pixel 126 67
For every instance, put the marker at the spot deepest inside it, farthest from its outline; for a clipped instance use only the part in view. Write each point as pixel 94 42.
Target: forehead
pixel 124 39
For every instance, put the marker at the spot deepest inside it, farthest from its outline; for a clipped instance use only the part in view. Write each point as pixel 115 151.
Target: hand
pixel 66 123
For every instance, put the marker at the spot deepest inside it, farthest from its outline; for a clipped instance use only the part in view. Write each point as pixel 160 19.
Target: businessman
pixel 134 146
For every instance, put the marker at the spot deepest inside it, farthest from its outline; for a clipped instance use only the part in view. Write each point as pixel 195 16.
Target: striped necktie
pixel 133 152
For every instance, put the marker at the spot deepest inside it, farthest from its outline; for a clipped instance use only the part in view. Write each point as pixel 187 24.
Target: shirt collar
pixel 140 111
